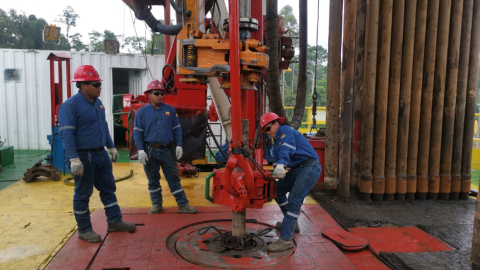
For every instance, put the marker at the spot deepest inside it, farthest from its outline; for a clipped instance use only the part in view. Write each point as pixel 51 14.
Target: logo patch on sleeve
pixel 167 113
pixel 283 136
pixel 101 106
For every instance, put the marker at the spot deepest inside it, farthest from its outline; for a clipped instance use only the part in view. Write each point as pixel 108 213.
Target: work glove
pixel 114 153
pixel 142 157
pixel 76 166
pixel 279 171
pixel 179 152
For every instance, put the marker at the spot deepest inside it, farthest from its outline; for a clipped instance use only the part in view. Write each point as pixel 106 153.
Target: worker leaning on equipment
pixel 158 137
pixel 290 149
pixel 84 133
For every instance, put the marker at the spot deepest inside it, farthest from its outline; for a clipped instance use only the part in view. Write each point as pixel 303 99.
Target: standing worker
pixel 84 133
pixel 158 137
pixel 290 149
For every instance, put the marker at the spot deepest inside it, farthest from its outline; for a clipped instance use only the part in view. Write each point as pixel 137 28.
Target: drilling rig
pixel 228 55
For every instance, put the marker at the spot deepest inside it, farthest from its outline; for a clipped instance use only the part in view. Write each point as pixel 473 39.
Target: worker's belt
pixel 100 149
pixel 306 162
pixel 158 146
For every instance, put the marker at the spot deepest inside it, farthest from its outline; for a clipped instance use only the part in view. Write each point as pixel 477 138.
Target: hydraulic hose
pixel 67 180
pixel 142 12
pixel 216 142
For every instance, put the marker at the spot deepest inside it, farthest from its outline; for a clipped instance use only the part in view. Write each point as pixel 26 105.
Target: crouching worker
pixel 84 133
pixel 290 149
pixel 156 132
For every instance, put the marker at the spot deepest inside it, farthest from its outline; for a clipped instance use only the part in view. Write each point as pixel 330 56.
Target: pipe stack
pixel 414 95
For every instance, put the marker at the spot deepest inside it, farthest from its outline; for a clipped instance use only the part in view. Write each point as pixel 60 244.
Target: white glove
pixel 279 171
pixel 76 166
pixel 142 157
pixel 179 152
pixel 114 153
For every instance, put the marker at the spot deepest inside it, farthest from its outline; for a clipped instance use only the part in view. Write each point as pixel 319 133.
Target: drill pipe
pixel 461 99
pixel 427 92
pixel 385 34
pixel 450 100
pixel 405 93
pixel 333 96
pixel 368 98
pixel 438 99
pixel 471 100
pixel 357 91
pixel 346 98
pixel 393 99
pixel 416 100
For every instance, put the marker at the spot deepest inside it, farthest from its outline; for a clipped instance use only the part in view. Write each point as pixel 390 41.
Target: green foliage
pixel 17 31
pixel 69 18
pixel 134 44
pixel 158 42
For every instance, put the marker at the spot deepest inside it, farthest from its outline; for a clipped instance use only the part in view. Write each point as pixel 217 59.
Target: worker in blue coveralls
pixel 158 136
pixel 290 149
pixel 84 133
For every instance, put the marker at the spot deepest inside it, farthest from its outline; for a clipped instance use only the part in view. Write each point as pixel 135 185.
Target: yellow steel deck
pixel 36 219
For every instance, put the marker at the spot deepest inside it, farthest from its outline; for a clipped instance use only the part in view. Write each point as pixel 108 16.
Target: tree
pixel 76 42
pixel 158 42
pixel 19 31
pixel 134 44
pixel 69 18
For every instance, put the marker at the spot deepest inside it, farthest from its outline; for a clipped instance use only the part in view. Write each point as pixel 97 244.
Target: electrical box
pixel 6 155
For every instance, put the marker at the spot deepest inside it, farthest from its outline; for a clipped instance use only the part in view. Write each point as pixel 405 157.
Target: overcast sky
pixel 114 15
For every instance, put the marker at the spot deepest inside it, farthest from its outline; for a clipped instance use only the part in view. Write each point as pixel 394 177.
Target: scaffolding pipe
pixel 416 99
pixel 385 36
pixel 450 100
pixel 471 102
pixel 427 92
pixel 346 98
pixel 438 100
pixel 393 99
pixel 368 99
pixel 333 96
pixel 357 91
pixel 405 94
pixel 461 99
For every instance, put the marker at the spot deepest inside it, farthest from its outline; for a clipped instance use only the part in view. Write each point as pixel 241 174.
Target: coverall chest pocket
pixel 166 119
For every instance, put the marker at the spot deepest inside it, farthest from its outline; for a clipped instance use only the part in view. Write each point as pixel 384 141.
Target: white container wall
pixel 25 119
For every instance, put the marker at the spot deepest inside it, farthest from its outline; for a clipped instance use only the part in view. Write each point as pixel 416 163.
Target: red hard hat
pixel 270 117
pixel 154 85
pixel 85 73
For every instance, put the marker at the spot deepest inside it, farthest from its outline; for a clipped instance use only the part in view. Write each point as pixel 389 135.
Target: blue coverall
pixel 293 150
pixel 84 133
pixel 160 126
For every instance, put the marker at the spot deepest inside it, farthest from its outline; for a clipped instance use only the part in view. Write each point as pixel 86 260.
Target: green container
pixel 210 158
pixel 6 155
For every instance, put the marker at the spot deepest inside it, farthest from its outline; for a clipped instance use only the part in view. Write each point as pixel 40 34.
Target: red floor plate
pixel 400 239
pixel 147 247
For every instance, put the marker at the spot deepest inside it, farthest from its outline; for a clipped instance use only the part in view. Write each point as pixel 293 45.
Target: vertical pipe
pixel 347 97
pixel 368 98
pixel 69 85
pixel 416 99
pixel 235 73
pixel 393 100
pixel 405 94
pixel 427 92
pixel 438 99
pixel 52 92
pixel 461 99
pixel 166 13
pixel 59 94
pixel 471 100
pixel 450 100
pixel 385 36
pixel 333 95
pixel 357 91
